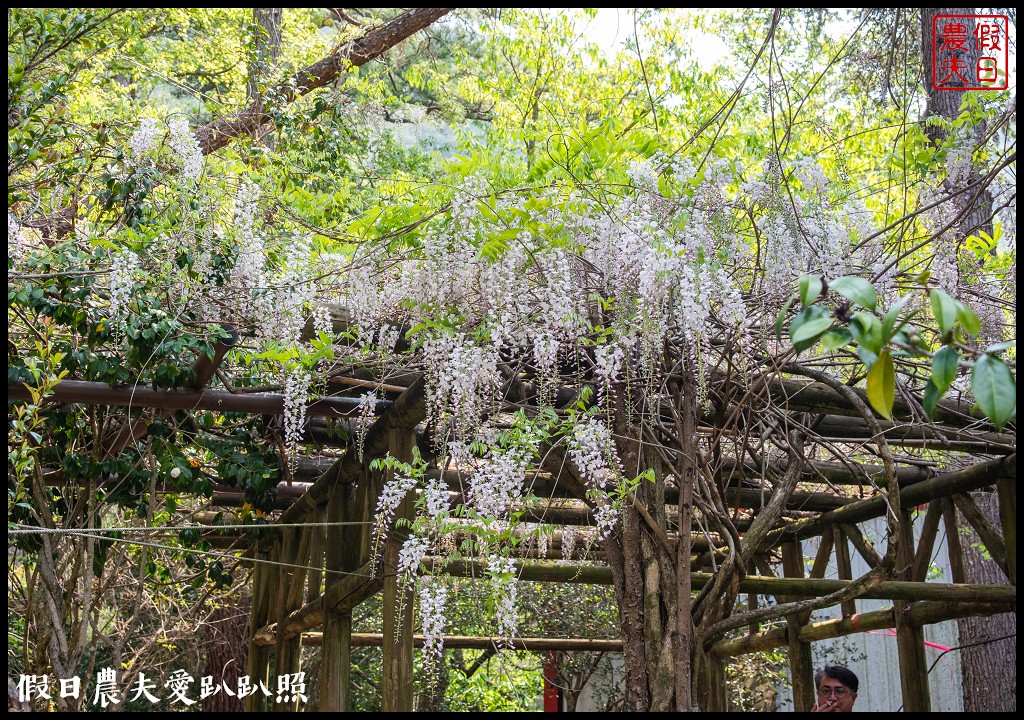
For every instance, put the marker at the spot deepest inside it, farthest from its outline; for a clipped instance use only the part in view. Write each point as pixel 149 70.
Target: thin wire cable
pixel 36 530
pixel 224 556
pixel 963 647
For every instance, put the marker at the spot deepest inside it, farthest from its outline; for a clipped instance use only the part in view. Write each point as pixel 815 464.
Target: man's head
pixel 837 688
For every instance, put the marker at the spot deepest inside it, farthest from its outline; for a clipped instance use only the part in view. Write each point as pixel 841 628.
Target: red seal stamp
pixel 970 52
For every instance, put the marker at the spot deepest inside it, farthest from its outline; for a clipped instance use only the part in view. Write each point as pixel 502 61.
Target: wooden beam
pixel 954 548
pixel 977 476
pixel 406 412
pixel 844 568
pixel 464 642
pixel 919 613
pixel 79 392
pixel 287 651
pixel 258 657
pixel 337 644
pixel 865 548
pixel 796 587
pixel 352 590
pixel 838 427
pixel 802 395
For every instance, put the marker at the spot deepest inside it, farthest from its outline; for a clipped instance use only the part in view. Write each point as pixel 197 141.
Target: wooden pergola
pixel 317 565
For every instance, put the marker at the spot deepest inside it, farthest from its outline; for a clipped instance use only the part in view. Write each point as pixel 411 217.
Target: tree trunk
pixel 266 48
pixel 226 654
pixel 976 203
pixel 989 668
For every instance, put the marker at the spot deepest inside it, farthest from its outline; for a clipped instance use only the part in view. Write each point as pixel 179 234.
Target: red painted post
pixel 552 693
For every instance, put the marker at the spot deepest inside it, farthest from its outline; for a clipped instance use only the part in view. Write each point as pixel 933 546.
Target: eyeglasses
pixel 839 692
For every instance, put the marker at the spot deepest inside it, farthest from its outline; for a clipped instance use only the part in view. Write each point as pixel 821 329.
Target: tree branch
pixel 375 42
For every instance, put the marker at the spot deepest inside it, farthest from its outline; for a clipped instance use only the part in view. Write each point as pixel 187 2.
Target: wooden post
pixel 336 652
pixel 953 546
pixel 287 653
pixel 910 638
pixel 264 609
pixel 315 577
pixel 1008 516
pixel 801 665
pixel 716 684
pixel 396 680
pixel 849 607
pixel 923 556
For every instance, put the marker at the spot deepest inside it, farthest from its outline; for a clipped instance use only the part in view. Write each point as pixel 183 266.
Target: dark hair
pixel 838 672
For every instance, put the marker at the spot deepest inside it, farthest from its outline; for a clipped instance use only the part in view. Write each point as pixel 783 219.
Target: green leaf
pixel 944 309
pixel 867 331
pixel 1000 346
pixel 881 385
pixel 855 289
pixel 995 389
pixel 944 366
pixel 889 326
pixel 835 338
pixel 868 357
pixel 780 319
pixel 808 325
pixel 810 289
pixel 968 318
pixel 931 399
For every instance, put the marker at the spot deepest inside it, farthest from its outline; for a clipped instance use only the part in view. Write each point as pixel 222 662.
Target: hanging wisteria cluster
pixel 521 288
pixel 512 294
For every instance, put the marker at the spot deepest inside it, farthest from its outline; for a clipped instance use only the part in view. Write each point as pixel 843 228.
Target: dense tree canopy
pixel 616 267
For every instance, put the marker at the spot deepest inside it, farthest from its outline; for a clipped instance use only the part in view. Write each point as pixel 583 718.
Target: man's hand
pixel 829 705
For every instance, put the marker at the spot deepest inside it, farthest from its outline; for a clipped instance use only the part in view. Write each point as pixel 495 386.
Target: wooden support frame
pixel 396 680
pixel 801 664
pixel 920 613
pixel 844 567
pixel 340 550
pixel 954 548
pixel 929 531
pixel 910 637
